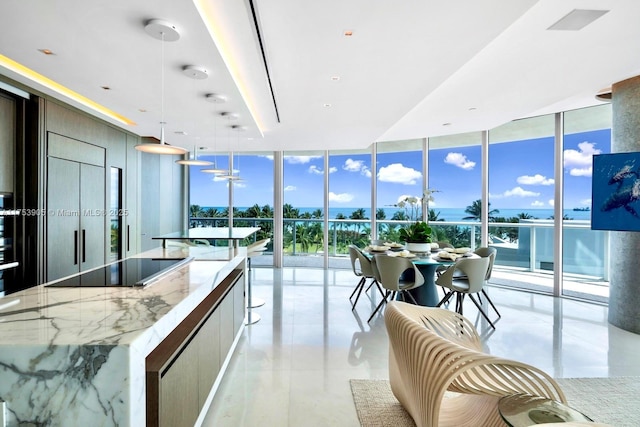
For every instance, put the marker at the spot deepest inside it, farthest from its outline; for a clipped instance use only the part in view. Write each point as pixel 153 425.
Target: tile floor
pixel 292 368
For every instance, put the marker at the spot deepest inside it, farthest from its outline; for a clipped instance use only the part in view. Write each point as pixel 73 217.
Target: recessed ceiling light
pixel 335 78
pixel 215 98
pixel 46 51
pixel 472 108
pixel 180 132
pixel 195 72
pixel 229 116
pixel 348 33
pixel 577 19
pixel 446 124
pixel 105 87
pixel 326 105
pixel 239 128
pixel 142 110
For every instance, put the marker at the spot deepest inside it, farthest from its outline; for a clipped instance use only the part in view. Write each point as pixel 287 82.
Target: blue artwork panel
pixel 616 192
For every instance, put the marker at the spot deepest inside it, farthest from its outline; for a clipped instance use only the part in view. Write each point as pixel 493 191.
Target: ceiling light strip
pixel 38 78
pixel 264 58
pixel 208 16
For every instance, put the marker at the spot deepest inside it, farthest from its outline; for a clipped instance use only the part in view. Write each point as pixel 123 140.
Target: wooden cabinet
pixel 75 211
pixel 7 143
pixel 182 370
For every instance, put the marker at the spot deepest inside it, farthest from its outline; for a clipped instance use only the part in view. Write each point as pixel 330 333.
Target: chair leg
pixel 491 303
pixel 459 302
pixel 410 296
pixel 482 311
pixel 384 300
pixel 358 288
pixel 446 298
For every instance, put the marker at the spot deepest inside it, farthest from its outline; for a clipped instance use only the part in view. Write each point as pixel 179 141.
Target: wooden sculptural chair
pixel 433 351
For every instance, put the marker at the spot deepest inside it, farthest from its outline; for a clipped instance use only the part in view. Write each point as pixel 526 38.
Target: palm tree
pixel 475 211
pixel 381 214
pixel 358 214
pixel 289 211
pixel 317 214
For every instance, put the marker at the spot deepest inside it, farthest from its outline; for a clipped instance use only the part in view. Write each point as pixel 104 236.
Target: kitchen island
pixel 85 355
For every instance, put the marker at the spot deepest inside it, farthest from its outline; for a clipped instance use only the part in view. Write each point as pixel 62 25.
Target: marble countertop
pixel 114 315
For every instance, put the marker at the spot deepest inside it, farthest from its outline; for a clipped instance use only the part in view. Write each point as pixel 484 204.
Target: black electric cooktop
pixel 132 272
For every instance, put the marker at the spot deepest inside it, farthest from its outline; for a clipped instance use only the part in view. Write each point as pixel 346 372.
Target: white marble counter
pixel 76 356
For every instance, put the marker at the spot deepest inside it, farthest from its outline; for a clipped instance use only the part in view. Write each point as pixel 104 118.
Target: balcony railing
pixel 526 246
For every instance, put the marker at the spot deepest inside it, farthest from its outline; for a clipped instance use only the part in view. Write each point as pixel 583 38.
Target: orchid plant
pixel 418 231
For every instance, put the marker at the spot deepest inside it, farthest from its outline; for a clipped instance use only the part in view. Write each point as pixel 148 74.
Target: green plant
pixel 417 232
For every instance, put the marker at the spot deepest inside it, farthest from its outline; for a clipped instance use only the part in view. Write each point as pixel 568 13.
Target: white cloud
pixel 340 198
pixel 399 174
pixel 290 188
pixel 585 202
pixel 459 160
pixel 551 202
pixel 581 172
pixel 536 179
pixel 351 165
pixel 579 161
pixel 520 192
pixel 316 170
pixel 237 184
pixel 515 192
pixel 537 204
pixel 300 160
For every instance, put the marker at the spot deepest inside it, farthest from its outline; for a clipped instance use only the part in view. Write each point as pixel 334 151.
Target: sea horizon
pixel 445 214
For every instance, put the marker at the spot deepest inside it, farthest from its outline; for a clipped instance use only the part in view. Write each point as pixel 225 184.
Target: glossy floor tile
pixel 292 368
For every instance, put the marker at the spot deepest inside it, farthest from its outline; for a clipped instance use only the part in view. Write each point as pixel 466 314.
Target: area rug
pixel 614 401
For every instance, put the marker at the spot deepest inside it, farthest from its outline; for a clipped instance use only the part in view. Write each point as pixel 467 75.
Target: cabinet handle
pixel 128 238
pixel 84 245
pixel 75 247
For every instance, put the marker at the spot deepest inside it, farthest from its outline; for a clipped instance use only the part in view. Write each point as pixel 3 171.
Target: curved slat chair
pixel 433 351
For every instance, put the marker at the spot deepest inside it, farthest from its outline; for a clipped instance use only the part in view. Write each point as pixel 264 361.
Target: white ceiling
pixel 409 68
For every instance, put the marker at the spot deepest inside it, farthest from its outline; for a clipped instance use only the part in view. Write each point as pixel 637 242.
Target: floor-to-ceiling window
pixel 587 132
pixel 399 175
pixel 521 194
pixel 303 210
pixel 349 202
pixel 253 196
pixel 209 193
pixel 455 177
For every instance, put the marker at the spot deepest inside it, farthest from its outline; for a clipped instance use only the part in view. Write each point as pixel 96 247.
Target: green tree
pixel 475 211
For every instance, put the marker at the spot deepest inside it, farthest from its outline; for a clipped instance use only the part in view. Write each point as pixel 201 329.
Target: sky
pixel 521 176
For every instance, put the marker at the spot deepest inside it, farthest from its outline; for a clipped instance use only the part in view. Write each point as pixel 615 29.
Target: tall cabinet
pixel 76 211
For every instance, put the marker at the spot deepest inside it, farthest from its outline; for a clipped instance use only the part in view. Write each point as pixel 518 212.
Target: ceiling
pixel 410 69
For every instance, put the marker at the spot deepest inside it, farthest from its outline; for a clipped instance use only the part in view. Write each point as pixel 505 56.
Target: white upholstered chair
pixel 391 273
pixel 362 268
pixel 466 276
pixel 433 351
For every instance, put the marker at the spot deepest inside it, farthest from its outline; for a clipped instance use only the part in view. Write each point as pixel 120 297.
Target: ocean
pixel 451 214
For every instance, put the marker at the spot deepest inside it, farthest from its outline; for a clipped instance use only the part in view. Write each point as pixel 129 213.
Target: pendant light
pixel 165 32
pixel 194 161
pixel 231 176
pixel 215 99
